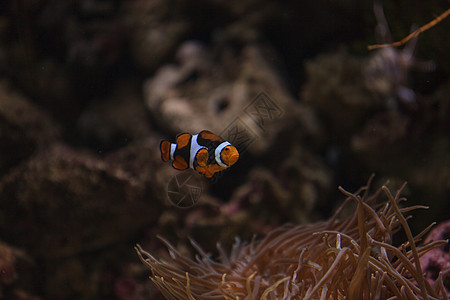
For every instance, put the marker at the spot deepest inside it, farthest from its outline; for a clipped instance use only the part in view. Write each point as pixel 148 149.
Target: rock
pixel 24 128
pixel 158 28
pixel 116 120
pixel 336 89
pixel 290 190
pixel 70 202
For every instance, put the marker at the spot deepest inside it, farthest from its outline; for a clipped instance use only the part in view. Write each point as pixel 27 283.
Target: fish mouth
pixel 234 158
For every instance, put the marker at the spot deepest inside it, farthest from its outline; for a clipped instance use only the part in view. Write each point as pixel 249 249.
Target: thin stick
pixel 413 34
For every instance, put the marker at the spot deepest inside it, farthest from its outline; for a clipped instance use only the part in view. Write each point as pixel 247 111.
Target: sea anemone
pixel 352 258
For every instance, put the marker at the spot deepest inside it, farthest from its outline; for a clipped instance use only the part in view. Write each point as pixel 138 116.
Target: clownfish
pixel 205 152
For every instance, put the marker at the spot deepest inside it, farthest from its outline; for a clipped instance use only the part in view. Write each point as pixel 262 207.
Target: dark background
pixel 88 89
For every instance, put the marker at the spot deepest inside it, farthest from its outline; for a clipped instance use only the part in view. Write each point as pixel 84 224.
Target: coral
pixel 8 273
pixel 437 261
pixel 350 258
pixel 14 263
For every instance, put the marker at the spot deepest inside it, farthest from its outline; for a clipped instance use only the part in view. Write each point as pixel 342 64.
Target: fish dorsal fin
pixel 208 135
pixel 183 140
pixel 202 157
pixel 180 163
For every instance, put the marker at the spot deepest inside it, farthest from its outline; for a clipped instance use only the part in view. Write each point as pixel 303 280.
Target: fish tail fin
pixel 165 150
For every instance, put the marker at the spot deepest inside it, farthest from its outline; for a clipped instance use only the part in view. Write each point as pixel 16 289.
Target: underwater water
pixel 89 89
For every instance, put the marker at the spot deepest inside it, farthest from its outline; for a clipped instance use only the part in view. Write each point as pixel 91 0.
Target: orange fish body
pixel 205 152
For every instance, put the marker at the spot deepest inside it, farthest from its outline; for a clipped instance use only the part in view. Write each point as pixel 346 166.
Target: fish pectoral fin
pixel 200 169
pixel 211 170
pixel 183 139
pixel 180 163
pixel 202 157
pixel 204 170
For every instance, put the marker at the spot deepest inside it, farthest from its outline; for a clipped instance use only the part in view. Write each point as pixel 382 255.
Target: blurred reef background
pixel 88 88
